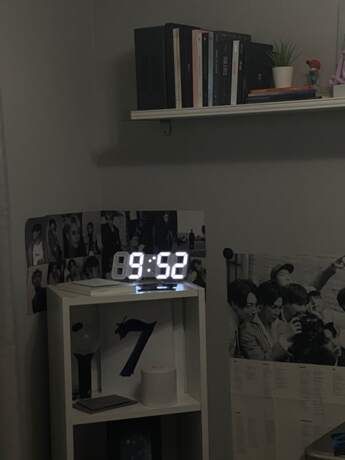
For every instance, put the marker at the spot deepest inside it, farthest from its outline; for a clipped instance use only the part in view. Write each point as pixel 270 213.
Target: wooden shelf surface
pixel 185 404
pixel 243 109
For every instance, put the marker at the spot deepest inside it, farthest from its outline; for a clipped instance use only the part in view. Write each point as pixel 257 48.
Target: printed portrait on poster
pixel 287 309
pixel 287 351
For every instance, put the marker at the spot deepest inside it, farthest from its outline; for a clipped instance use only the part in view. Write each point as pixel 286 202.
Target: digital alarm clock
pixel 162 266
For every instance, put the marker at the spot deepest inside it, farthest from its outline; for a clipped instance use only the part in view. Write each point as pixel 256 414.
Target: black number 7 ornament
pixel 134 325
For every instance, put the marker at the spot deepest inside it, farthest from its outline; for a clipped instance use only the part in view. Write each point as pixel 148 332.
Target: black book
pixel 155 66
pixel 223 55
pixel 151 68
pixel 92 405
pixel 243 90
pixel 205 45
pixel 186 52
pixel 259 74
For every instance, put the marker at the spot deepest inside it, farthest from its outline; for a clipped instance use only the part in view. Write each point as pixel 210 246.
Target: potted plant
pixel 283 56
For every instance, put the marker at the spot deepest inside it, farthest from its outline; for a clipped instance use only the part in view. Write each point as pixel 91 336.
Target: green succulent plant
pixel 284 54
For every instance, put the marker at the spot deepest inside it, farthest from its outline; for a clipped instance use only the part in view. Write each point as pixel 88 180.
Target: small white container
pixel 339 91
pixel 283 76
pixel 158 386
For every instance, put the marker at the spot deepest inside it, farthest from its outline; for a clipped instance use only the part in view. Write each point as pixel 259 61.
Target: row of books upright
pixel 184 66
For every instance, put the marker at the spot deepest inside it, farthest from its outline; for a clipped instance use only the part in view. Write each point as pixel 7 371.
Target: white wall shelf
pixel 308 105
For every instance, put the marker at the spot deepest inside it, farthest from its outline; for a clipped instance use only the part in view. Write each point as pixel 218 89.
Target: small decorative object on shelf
pixel 337 81
pixel 313 76
pixel 85 342
pixel 283 57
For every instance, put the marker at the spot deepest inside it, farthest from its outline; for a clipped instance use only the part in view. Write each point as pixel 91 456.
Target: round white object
pixel 158 386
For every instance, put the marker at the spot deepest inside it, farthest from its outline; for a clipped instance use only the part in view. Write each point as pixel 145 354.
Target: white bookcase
pixel 180 340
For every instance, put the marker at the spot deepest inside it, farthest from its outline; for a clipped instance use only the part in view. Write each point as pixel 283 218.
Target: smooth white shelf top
pixel 69 298
pixel 242 109
pixel 185 404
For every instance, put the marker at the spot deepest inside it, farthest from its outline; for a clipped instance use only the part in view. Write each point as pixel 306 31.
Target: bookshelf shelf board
pixel 243 109
pixel 186 404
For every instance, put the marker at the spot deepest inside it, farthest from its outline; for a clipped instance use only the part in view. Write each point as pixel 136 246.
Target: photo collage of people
pixel 80 246
pixel 286 309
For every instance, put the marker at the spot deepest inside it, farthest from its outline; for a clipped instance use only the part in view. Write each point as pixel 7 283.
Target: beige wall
pixel 67 78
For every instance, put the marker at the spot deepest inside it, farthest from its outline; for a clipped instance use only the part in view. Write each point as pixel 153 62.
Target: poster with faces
pixel 81 245
pixel 286 351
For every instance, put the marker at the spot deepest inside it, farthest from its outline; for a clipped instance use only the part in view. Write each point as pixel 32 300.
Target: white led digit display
pixel 136 262
pixel 120 265
pixel 179 269
pixel 137 265
pixel 162 266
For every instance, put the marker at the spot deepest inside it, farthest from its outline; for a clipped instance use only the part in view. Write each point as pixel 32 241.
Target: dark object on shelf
pixel 222 68
pixel 154 56
pixel 147 287
pixel 138 439
pixel 281 94
pixel 259 74
pixel 102 403
pixel 84 371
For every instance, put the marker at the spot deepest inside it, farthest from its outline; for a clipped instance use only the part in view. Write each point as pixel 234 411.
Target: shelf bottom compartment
pixel 168 437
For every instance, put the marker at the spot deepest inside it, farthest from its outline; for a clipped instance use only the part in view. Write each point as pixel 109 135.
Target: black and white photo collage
pixel 78 246
pixel 287 309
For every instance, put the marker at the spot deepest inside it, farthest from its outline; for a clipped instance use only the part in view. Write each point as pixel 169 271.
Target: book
pixel 259 74
pixel 281 94
pixel 235 72
pixel 205 68
pixel 177 68
pixel 94 405
pixel 186 64
pixel 210 67
pixel 222 71
pixel 156 58
pixel 197 68
pixel 151 68
pixel 97 287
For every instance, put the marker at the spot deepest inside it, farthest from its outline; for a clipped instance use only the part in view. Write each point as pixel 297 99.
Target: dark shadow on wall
pixel 293 136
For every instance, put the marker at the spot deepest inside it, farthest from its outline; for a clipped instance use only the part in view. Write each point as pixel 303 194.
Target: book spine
pixel 221 74
pixel 234 71
pixel 177 68
pixel 150 58
pixel 205 44
pixel 186 65
pixel 241 74
pixel 170 73
pixel 210 67
pixel 245 69
pixel 197 67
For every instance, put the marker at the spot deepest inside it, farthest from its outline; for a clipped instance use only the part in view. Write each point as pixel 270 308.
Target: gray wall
pixel 67 78
pixel 46 77
pixel 267 184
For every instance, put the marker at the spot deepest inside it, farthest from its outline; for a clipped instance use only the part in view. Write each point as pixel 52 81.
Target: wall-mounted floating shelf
pixel 311 105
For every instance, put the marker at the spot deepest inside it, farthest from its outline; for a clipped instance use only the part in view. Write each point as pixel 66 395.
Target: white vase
pixel 282 76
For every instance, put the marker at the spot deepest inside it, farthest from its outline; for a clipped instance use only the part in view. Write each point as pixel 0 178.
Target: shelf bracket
pixel 166 127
